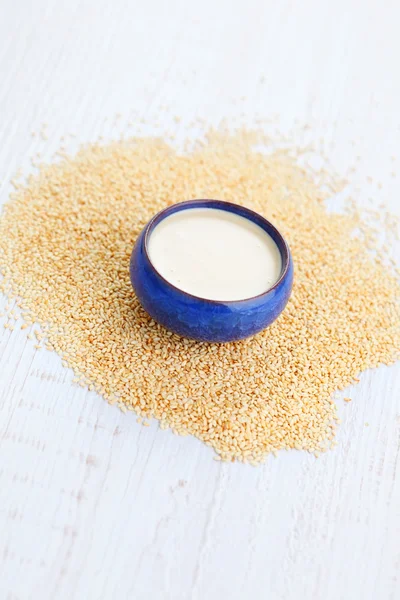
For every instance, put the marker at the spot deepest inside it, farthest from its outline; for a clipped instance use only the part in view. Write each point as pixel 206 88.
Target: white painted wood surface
pixel 94 506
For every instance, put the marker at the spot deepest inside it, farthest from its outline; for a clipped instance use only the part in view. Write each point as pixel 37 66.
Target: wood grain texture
pixel 94 506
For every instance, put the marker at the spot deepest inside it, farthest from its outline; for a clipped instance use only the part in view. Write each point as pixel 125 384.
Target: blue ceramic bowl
pixel 198 318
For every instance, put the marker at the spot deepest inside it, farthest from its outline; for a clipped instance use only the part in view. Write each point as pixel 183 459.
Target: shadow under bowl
pixel 199 318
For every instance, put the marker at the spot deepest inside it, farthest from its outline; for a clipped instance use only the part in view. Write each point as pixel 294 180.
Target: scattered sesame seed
pixel 245 399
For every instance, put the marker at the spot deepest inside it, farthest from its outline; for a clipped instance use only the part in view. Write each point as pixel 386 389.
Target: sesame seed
pixel 65 242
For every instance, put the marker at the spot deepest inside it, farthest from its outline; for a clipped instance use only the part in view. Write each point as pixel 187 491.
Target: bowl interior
pixel 242 211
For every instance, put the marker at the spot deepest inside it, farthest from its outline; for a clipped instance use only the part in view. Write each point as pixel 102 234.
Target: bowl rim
pixel 238 209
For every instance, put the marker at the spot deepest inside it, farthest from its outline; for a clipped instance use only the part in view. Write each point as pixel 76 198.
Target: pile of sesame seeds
pixel 65 242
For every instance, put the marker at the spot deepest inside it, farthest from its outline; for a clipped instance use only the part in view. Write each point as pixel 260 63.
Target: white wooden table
pixel 94 506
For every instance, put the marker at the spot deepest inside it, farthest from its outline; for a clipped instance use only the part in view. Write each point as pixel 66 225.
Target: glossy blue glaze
pixel 198 318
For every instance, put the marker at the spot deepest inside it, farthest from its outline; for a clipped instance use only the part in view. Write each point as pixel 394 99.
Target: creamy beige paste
pixel 214 254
